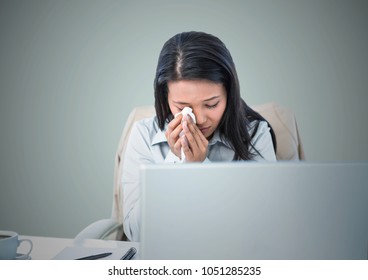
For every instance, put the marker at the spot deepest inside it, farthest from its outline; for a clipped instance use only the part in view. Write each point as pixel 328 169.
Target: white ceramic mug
pixel 9 242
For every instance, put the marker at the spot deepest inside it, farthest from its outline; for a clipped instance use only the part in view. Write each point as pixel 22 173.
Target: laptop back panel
pixel 255 211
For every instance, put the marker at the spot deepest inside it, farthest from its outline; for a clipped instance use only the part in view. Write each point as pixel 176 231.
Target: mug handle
pixel 25 256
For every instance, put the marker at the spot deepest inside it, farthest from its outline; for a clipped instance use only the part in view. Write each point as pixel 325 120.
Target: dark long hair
pixel 201 56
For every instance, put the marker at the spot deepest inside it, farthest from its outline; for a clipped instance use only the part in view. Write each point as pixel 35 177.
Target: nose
pixel 201 117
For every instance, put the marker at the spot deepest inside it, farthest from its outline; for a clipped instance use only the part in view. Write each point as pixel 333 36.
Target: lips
pixel 204 130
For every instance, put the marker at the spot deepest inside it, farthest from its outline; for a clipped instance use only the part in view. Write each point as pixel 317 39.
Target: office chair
pixel 289 147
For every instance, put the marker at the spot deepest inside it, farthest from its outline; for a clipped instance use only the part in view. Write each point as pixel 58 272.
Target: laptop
pixel 250 210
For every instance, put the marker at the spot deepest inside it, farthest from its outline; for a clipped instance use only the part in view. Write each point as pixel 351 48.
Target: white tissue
pixel 186 111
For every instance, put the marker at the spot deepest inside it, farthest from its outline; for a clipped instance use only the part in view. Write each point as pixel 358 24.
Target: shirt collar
pixel 216 138
pixel 159 137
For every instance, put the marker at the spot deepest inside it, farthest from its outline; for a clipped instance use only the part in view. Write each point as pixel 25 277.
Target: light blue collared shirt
pixel 147 144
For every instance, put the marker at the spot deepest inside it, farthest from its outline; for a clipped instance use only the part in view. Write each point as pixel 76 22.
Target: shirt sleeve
pixel 137 152
pixel 262 142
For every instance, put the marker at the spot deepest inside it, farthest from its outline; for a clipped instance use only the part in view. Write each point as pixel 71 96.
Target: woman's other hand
pixel 193 141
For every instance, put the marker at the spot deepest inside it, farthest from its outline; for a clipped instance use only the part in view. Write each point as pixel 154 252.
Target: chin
pixel 209 137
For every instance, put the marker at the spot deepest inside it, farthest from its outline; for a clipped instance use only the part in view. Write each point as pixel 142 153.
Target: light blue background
pixel 71 71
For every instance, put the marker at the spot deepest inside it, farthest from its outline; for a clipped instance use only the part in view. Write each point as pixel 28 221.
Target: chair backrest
pixel 282 120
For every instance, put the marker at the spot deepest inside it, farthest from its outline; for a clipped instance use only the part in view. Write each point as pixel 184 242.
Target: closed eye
pixel 212 106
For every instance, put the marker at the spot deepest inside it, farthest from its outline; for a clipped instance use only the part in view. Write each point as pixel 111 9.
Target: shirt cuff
pixel 172 158
pixel 206 160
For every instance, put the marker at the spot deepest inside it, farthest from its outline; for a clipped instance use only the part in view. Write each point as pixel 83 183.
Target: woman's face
pixel 207 100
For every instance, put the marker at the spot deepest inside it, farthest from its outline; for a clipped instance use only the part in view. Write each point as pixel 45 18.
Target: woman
pixel 194 70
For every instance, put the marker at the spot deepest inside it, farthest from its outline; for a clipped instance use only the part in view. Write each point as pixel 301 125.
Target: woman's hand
pixel 184 133
pixel 172 135
pixel 194 143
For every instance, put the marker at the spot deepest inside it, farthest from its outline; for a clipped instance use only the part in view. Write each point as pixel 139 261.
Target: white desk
pixel 45 248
